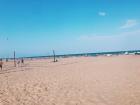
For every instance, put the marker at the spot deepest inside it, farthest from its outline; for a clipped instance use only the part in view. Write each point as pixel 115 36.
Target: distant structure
pixel 14 58
pixel 53 56
pixel 55 60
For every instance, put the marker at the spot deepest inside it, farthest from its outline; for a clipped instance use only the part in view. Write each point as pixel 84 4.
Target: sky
pixel 36 27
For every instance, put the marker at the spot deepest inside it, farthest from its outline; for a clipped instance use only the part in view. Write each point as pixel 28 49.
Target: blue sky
pixel 36 27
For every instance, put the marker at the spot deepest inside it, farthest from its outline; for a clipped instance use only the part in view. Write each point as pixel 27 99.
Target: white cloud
pixel 102 13
pixel 129 24
pixel 93 37
pixel 131 33
pixel 120 41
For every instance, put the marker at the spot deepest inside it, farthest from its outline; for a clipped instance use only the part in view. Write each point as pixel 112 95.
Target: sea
pixel 132 52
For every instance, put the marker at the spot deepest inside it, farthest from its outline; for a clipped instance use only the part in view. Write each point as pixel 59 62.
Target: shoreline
pixel 128 52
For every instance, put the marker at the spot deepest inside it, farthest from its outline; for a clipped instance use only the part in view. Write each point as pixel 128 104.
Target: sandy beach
pixel 99 80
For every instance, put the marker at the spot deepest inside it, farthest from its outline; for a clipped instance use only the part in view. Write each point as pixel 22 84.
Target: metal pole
pixel 14 59
pixel 54 55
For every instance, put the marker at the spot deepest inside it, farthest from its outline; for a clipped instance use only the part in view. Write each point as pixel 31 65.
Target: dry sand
pixel 72 81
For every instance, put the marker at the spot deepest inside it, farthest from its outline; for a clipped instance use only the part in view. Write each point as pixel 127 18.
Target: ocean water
pixel 134 52
pixel 93 54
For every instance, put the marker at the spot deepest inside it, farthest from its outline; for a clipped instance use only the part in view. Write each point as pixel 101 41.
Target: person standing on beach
pixel 18 62
pixel 1 64
pixel 6 59
pixel 22 61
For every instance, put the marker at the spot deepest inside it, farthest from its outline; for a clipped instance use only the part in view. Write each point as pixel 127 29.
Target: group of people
pixel 18 62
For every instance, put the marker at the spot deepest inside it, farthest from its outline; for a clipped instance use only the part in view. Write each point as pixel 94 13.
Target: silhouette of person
pixel 22 61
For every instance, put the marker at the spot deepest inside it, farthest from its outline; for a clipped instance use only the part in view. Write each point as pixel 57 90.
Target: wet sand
pixel 100 80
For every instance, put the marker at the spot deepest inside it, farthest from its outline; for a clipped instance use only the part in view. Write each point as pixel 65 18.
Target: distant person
pixel 22 61
pixel 6 59
pixel 18 62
